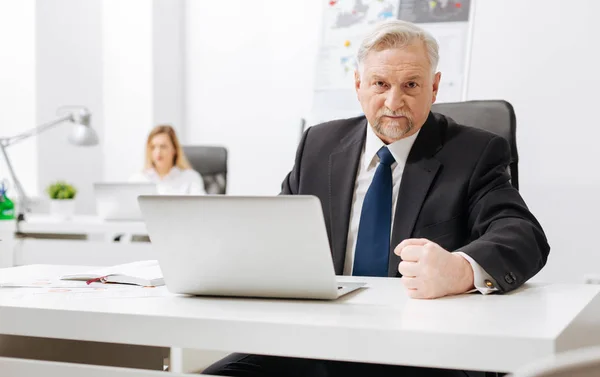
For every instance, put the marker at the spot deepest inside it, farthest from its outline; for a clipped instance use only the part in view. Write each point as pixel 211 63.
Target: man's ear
pixel 436 86
pixel 356 80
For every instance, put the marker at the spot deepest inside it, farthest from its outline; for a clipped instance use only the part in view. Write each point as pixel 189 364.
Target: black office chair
pixel 211 163
pixel 496 116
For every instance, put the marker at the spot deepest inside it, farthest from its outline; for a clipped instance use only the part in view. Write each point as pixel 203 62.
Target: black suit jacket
pixel 455 191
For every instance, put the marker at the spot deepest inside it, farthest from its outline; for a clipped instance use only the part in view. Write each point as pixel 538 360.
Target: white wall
pixel 122 60
pixel 143 78
pixel 249 75
pixel 168 63
pixel 17 88
pixel 127 92
pixel 537 54
pixel 246 72
pixel 541 56
pixel 69 72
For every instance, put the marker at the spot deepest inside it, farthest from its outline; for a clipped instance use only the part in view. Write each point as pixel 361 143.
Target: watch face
pixel 424 11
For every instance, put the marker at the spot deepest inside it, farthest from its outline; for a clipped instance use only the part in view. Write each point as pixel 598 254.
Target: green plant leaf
pixel 61 190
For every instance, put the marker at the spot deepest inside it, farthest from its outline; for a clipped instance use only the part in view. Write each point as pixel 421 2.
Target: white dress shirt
pixel 176 182
pixel 366 170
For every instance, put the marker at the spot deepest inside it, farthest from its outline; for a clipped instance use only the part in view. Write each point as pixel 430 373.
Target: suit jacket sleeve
pixel 507 240
pixel 291 183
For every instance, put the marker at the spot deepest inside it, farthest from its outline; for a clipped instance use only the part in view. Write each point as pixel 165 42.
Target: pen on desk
pixel 101 279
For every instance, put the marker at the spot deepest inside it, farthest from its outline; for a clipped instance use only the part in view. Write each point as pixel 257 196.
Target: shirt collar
pixel 399 148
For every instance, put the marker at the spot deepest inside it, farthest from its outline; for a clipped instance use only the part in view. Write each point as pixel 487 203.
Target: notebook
pixel 144 273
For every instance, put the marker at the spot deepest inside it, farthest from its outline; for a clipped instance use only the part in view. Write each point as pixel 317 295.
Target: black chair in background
pixel 497 116
pixel 211 163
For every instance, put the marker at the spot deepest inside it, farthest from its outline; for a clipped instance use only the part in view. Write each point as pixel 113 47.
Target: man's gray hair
pixel 398 34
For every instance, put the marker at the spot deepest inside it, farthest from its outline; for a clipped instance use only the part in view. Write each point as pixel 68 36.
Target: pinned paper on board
pixel 427 11
pixel 346 23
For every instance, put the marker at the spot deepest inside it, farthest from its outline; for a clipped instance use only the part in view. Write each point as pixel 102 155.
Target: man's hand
pixel 429 271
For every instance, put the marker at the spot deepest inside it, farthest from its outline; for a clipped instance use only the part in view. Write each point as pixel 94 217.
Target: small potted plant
pixel 62 199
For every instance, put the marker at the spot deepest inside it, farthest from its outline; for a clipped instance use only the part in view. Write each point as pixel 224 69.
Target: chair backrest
pixel 13 367
pixel 211 163
pixel 584 362
pixel 495 116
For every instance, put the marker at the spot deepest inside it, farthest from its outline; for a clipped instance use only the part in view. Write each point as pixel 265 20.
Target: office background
pixel 240 74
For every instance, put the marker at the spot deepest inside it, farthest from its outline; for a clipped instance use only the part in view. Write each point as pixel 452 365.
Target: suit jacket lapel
pixel 343 166
pixel 419 173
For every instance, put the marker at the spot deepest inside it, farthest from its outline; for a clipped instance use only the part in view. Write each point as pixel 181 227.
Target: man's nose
pixel 394 100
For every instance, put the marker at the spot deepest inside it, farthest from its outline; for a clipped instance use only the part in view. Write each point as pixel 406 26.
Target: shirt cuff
pixel 482 281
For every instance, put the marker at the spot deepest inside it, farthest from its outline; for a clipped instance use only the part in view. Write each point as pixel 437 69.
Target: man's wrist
pixel 466 279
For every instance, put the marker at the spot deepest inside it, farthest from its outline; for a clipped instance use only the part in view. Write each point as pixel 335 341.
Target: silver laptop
pixel 118 201
pixel 243 246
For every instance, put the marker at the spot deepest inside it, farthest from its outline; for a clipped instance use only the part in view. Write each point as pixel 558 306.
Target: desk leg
pixel 185 360
pixel 176 360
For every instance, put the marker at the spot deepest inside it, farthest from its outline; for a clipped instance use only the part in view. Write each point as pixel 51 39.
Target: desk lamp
pixel 81 134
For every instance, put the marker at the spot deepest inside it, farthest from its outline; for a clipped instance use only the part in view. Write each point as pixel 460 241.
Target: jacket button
pixel 510 278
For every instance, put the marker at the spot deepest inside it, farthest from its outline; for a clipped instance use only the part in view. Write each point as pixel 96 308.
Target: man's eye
pixel 412 85
pixel 380 84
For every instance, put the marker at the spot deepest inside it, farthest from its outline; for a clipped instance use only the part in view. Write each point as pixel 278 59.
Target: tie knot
pixel 385 156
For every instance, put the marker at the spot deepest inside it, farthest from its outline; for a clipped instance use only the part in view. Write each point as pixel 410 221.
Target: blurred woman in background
pixel 167 166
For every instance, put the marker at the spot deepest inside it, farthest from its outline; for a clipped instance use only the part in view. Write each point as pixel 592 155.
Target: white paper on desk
pixel 47 284
pixel 100 291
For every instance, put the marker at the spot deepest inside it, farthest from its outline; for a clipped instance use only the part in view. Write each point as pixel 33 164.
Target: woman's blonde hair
pixel 179 159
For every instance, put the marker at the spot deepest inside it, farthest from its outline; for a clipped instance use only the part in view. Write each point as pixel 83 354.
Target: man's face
pixel 396 88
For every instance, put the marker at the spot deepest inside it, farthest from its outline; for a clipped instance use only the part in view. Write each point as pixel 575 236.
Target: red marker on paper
pixel 101 279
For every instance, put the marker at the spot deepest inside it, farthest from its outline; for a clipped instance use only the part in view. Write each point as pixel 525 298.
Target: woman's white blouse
pixel 176 182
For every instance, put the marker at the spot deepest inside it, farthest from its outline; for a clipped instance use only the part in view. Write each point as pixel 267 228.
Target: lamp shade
pixel 83 135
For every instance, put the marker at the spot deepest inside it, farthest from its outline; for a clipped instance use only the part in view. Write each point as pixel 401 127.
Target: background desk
pixel 88 225
pixel 82 240
pixel 378 324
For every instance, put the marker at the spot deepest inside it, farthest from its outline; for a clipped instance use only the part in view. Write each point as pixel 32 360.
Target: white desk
pixel 98 249
pixel 378 324
pixel 79 225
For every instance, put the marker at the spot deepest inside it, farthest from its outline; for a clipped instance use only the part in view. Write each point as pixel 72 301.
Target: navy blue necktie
pixel 373 241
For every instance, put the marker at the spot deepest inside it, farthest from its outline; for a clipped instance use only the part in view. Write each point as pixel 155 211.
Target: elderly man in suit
pixel 408 193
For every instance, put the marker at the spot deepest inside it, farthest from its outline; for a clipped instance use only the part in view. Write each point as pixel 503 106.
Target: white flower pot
pixel 63 209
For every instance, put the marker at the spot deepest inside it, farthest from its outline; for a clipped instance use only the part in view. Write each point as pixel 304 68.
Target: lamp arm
pixel 34 131
pixel 24 200
pixel 8 141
